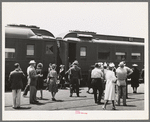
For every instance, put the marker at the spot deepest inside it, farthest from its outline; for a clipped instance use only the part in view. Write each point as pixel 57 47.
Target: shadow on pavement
pixel 135 93
pixel 43 99
pixel 23 108
pixel 74 107
pixel 40 103
pixel 136 100
pixel 59 100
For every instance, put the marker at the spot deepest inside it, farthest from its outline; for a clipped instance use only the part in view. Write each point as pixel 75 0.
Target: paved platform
pixel 84 102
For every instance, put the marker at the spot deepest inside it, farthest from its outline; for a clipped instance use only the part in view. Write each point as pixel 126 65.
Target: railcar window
pixel 121 55
pixel 30 50
pixel 136 56
pixel 82 51
pixel 103 55
pixel 9 52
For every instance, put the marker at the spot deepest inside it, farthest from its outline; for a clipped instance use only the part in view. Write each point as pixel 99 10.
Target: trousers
pixel 74 85
pixel 123 90
pixel 16 93
pixel 32 94
pixel 97 86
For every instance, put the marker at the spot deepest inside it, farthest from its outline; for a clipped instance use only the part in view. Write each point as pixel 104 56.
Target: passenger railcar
pixel 25 43
pixel 89 48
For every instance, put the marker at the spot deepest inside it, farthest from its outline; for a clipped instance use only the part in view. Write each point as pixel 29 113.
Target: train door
pixel 71 52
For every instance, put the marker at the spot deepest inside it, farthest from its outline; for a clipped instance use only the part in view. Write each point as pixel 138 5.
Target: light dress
pixel 52 82
pixel 110 85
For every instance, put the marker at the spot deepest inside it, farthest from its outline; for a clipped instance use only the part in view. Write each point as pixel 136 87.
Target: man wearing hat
pixel 32 64
pixel 32 76
pixel 75 75
pixel 121 74
pixel 15 79
pixel 97 82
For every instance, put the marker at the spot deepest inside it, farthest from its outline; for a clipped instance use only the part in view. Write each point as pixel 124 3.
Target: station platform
pixel 135 101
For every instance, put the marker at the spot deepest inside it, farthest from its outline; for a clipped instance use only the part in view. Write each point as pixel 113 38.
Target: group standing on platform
pixel 106 81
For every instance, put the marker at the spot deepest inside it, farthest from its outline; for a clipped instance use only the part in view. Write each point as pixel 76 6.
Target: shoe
pixel 70 95
pixel 99 103
pixel 104 108
pixel 113 108
pixel 36 101
pixel 124 104
pixel 18 107
pixel 53 99
pixel 14 107
pixel 78 96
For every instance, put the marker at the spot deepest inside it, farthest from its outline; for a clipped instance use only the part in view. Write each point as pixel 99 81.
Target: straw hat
pixel 32 62
pixel 134 65
pixel 121 64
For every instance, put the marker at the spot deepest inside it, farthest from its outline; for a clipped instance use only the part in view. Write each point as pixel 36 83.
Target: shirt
pixel 96 73
pixel 121 76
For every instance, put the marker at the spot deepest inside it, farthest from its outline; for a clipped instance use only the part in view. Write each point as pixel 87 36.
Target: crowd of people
pixel 105 79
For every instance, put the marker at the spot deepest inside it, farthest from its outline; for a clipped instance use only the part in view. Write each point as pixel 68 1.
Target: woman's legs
pixel 41 93
pixel 113 103
pixel 105 103
pixel 53 95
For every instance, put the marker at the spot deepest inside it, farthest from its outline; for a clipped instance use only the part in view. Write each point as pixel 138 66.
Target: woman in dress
pixel 110 87
pixel 135 78
pixel 52 79
pixel 40 79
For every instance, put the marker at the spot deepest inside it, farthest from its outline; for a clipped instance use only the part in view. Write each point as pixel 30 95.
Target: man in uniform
pixel 75 76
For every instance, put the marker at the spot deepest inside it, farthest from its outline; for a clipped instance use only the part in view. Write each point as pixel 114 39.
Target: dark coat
pixel 135 78
pixel 16 78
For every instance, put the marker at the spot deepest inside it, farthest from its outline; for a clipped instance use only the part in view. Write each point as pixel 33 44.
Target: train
pixel 24 43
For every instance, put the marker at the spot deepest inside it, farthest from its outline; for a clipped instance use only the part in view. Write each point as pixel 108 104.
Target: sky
pixel 109 18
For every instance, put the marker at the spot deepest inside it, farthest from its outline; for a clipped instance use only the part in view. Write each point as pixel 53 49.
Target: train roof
pixel 104 41
pixel 27 32
pixel 93 35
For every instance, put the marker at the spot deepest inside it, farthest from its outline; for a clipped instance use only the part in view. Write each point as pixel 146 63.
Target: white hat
pixel 134 65
pixel 111 65
pixel 121 64
pixel 32 62
pixel 75 62
pixel 105 64
pixel 62 66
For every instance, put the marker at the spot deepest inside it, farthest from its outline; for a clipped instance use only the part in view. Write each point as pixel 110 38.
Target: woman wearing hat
pixel 40 79
pixel 110 86
pixel 135 78
pixel 52 79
